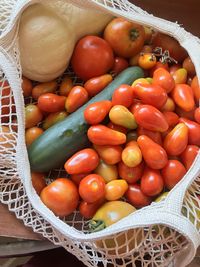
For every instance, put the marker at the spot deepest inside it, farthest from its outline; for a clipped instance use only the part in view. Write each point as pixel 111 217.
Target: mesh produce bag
pixel 162 234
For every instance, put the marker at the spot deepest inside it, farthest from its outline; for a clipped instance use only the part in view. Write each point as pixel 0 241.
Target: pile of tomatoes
pixel 143 140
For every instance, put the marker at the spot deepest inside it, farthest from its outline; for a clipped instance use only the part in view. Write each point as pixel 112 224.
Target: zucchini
pixel 63 139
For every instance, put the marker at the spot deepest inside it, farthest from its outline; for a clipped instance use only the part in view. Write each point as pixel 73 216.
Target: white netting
pixel 153 236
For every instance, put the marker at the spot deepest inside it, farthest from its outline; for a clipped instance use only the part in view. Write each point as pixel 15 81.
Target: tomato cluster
pixel 143 140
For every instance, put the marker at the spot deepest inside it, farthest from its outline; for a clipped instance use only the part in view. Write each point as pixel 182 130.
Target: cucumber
pixel 63 139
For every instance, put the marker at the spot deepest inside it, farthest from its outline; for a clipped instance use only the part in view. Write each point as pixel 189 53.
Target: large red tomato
pixel 92 57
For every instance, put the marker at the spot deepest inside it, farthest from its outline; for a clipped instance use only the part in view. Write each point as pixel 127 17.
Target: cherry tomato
pixel 173 68
pixel 136 104
pixel 158 65
pixel 83 161
pixel 195 88
pixel 176 140
pixel 96 112
pixel 126 38
pixel 193 131
pixel 92 188
pixel 38 181
pixel 147 60
pixel 172 173
pixel 140 80
pixel 88 210
pixel 120 64
pixel 136 197
pixel 117 127
pixel 183 96
pixel 152 183
pixel 151 94
pixel 154 155
pixel 92 57
pixel 180 76
pixel 188 155
pixel 185 114
pixel 163 78
pixel 132 155
pixel 189 66
pixel 44 88
pixel 61 196
pixel 170 44
pixel 32 134
pixel 169 105
pixel 197 115
pixel 155 136
pixel 102 135
pixel 65 86
pixel 123 95
pixel 109 154
pixel 107 171
pixel 151 118
pixel 53 118
pixel 33 115
pixel 115 189
pixel 76 178
pixel 120 115
pixel 27 86
pixel 133 61
pixel 76 98
pixel 171 117
pixel 95 85
pixel 131 175
pixel 51 102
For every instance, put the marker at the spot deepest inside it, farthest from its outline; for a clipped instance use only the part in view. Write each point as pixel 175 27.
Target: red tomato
pixel 183 97
pixel 61 197
pixel 76 178
pixel 147 60
pixel 120 64
pixel 197 115
pixel 96 112
pixel 155 136
pixel 92 188
pixel 126 38
pixel 195 88
pixel 123 95
pixel 152 183
pixel 171 117
pixel 172 173
pixel 95 85
pixel 167 42
pixel 116 127
pixel 151 94
pixel 194 131
pixel 151 118
pixel 131 175
pixel 154 155
pixel 102 135
pixel 83 161
pixel 76 98
pixel 38 181
pixel 51 102
pixel 158 65
pixel 176 141
pixel 136 197
pixel 188 155
pixel 88 210
pixel 109 154
pixel 185 114
pixel 136 104
pixel 92 57
pixel 163 78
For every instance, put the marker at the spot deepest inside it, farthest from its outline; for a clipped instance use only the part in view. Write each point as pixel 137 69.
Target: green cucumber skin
pixel 62 140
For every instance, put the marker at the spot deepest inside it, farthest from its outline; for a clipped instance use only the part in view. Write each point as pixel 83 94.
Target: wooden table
pixel 186 12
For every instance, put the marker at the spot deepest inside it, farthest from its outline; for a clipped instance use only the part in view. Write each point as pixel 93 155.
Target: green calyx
pixel 96 225
pixel 134 34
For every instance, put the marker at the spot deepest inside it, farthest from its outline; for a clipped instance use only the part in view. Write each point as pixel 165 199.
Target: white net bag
pixel 162 234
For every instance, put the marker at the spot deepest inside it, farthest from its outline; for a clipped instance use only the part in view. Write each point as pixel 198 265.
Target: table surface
pixel 186 12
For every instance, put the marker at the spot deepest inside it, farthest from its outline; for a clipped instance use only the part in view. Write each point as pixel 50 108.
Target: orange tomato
pixel 158 65
pixel 193 131
pixel 50 102
pixel 172 173
pixel 32 134
pixel 43 88
pixel 188 155
pixel 147 60
pixel 131 175
pixel 115 189
pixel 163 78
pixel 38 181
pixel 109 154
pixel 33 115
pixel 154 155
pixel 76 98
pixel 195 88
pixel 106 171
pixel 65 86
pixel 197 115
pixel 189 66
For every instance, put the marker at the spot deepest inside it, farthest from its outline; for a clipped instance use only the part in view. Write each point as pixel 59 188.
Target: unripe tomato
pixel 38 181
pixel 83 161
pixel 123 95
pixel 169 105
pixel 92 188
pixel 147 60
pixel 49 102
pixel 61 197
pixel 96 112
pixel 189 155
pixel 76 98
pixel 32 134
pixel 92 57
pixel 107 171
pixel 33 115
pixel 180 76
pixel 131 175
pixel 136 197
pixel 115 189
pixel 172 173
pixel 44 88
pixel 163 78
pixel 53 118
pixel 152 183
pixel 109 154
pixel 132 155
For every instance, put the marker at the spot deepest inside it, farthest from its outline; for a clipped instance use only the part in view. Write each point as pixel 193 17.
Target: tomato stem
pixel 96 225
pixel 134 34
